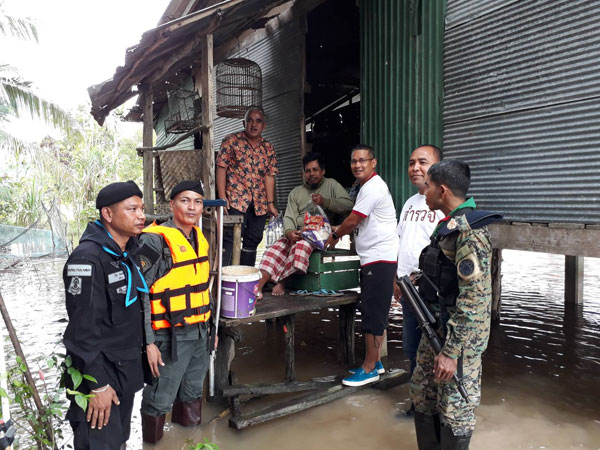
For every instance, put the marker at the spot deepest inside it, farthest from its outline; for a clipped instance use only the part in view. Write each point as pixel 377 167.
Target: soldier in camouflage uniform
pixel 456 287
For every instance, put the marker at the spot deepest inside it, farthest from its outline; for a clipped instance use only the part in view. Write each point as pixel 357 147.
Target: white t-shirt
pixel 415 227
pixel 375 235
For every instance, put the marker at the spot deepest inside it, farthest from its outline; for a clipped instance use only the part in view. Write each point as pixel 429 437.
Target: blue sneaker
pixel 378 366
pixel 360 378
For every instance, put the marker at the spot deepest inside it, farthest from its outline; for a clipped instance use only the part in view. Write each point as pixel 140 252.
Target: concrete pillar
pixel 574 279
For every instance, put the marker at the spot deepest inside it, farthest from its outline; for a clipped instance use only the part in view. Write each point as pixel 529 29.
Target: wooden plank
pixel 270 306
pixel 562 241
pixel 574 280
pixel 277 388
pixel 300 403
pixel 208 101
pixel 147 141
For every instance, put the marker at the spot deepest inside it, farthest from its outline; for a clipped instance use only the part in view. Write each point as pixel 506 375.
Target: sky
pixel 81 43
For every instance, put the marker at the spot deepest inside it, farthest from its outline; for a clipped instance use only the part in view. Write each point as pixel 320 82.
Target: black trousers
pixel 252 233
pixel 111 436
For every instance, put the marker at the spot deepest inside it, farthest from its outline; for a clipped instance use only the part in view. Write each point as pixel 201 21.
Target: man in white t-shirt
pixel 373 221
pixel 415 226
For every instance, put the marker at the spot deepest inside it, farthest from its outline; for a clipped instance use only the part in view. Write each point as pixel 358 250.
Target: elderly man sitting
pixel 290 253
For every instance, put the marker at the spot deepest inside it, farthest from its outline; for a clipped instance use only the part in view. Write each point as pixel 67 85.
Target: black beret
pixel 187 185
pixel 116 192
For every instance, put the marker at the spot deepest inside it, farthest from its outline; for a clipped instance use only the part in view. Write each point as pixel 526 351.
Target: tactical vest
pixel 180 297
pixel 439 283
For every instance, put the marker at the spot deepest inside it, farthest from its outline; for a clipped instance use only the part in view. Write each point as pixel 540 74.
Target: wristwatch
pixel 335 236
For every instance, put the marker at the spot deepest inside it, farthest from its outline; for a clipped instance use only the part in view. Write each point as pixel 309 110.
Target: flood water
pixel 541 382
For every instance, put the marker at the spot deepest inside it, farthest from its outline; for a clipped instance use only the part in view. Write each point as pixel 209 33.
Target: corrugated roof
pixel 172 46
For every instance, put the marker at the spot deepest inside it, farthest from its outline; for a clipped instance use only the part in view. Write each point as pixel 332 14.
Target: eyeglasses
pixel 360 161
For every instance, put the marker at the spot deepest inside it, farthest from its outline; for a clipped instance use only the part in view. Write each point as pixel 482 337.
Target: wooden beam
pixel 205 80
pixel 496 283
pixel 300 403
pixel 277 388
pixel 147 141
pixel 574 280
pixel 557 240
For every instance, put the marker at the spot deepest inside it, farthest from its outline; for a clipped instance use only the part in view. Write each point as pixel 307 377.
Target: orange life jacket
pixel 180 297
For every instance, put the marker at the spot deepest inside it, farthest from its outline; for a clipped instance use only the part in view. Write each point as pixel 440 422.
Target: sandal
pixel 300 292
pixel 326 293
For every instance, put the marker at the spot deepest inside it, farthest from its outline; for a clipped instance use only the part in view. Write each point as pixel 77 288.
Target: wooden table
pixel 310 393
pixel 285 308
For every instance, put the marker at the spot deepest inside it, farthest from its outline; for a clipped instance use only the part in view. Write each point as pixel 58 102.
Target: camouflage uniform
pixel 467 328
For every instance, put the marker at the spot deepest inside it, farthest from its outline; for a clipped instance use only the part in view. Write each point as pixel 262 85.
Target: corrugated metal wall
pixel 280 57
pixel 163 138
pixel 522 106
pixel 401 83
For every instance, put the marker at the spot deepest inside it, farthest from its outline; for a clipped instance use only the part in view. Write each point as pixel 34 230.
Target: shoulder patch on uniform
pixel 79 270
pixel 468 267
pixel 75 286
pixel 148 256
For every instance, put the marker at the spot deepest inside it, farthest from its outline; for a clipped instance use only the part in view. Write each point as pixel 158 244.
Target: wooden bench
pixel 313 392
pixel 285 308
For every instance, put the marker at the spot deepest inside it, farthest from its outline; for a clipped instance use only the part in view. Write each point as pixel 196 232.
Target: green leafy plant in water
pixel 76 378
pixel 206 445
pixel 43 429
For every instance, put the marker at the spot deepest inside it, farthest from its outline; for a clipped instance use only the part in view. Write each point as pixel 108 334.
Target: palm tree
pixel 16 95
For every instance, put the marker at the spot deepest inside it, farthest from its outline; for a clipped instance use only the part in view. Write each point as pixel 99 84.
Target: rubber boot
pixel 187 414
pixel 152 428
pixel 428 431
pixel 247 257
pixel 451 442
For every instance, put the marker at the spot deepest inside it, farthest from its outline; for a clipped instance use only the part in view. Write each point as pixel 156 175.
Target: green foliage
pixel 19 27
pixel 206 445
pixel 17 96
pixel 43 429
pixel 66 174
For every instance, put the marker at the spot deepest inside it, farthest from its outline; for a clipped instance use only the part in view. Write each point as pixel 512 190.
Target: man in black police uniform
pixel 104 335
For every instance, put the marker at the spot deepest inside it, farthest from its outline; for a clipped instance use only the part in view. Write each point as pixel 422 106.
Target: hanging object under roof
pixel 185 111
pixel 239 85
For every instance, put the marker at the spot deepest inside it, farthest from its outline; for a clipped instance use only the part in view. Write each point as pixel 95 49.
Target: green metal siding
pixel 401 83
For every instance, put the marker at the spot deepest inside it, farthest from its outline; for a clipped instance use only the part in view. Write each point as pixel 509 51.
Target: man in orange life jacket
pixel 174 258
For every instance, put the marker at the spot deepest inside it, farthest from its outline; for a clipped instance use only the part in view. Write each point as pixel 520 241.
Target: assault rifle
pixel 426 323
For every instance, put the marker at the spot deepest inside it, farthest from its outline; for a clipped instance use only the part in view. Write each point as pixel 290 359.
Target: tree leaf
pixel 90 378
pixel 81 401
pixel 76 378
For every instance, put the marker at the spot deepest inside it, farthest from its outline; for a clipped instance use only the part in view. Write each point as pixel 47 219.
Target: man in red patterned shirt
pixel 246 169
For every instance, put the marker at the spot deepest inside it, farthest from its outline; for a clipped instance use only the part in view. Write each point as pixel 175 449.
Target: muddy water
pixel 541 385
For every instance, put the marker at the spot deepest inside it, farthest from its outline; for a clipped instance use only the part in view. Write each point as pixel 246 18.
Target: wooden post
pixel 289 324
pixel 574 279
pixel 225 354
pixel 205 77
pixel 496 283
pixel 147 138
pixel 236 252
pixel 346 338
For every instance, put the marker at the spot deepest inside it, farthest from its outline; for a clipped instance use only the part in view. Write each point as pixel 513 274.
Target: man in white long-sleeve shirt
pixel 415 226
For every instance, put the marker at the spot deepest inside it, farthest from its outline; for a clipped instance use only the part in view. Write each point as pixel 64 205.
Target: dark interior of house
pixel 331 100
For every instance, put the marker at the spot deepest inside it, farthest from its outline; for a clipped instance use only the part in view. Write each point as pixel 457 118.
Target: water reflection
pixel 541 371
